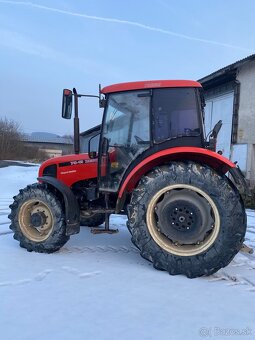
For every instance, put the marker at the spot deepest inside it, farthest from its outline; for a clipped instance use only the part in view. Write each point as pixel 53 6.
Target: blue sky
pixel 46 46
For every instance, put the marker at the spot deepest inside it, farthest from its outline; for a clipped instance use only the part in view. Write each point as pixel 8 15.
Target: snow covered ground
pixel 98 287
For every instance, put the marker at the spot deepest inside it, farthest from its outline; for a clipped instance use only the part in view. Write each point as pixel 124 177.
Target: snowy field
pixel 98 287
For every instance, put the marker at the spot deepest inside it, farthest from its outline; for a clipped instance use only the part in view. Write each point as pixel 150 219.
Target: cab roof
pixel 149 84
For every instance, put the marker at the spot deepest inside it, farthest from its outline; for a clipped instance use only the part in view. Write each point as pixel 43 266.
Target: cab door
pixel 125 135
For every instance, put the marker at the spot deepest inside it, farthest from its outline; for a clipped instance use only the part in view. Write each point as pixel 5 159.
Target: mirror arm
pixel 76 124
pixel 88 95
pixel 101 100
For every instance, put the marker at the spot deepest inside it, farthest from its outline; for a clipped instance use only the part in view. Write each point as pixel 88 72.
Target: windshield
pixel 126 130
pixel 127 118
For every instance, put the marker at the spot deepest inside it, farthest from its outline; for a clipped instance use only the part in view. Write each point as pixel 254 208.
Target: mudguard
pixel 72 210
pixel 240 182
pixel 203 156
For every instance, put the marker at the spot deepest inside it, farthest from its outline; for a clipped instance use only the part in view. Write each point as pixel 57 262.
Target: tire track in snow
pixel 4 212
pixel 38 277
pixel 42 275
pixel 241 270
pixel 233 280
pixel 6 232
pixel 81 275
pixel 14 283
pixel 251 231
pixel 4 223
pixel 99 249
pixel 238 272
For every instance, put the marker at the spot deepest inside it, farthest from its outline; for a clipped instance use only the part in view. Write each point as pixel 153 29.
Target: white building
pixel 230 96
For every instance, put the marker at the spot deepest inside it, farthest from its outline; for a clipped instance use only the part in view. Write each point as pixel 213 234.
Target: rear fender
pixel 203 156
pixel 72 210
pixel 240 182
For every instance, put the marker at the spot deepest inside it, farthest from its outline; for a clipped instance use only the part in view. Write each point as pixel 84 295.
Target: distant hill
pixel 46 137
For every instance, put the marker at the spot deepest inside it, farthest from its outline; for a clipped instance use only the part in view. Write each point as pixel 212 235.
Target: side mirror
pixel 95 141
pixel 67 104
pixel 93 154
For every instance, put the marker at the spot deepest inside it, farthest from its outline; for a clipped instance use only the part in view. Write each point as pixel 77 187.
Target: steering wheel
pixel 140 140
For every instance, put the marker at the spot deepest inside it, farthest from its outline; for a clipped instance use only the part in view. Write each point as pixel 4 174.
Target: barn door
pixel 217 108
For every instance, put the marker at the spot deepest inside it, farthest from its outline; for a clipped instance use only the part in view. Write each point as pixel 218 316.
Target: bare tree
pixel 69 137
pixel 69 149
pixel 10 139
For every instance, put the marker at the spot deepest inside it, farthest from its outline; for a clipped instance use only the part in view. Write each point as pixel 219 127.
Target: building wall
pixel 243 148
pixel 219 106
pixel 246 120
pixel 61 149
pixel 246 123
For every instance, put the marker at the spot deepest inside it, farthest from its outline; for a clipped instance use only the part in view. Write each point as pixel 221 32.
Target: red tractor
pixel 185 213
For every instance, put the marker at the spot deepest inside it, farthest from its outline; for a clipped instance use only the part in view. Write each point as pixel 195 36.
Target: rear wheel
pixel 91 220
pixel 187 219
pixel 38 220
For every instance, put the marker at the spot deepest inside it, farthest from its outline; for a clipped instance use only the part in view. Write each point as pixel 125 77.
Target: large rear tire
pixel 38 220
pixel 187 219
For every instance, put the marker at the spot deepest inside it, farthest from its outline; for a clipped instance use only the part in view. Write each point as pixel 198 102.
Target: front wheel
pixel 187 219
pixel 38 220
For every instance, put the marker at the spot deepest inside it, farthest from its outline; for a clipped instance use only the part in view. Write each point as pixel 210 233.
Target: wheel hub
pixel 184 217
pixel 38 219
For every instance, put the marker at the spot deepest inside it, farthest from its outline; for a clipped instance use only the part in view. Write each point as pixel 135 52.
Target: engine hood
pixel 67 159
pixel 68 164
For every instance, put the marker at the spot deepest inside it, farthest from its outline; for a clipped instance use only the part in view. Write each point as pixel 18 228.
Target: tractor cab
pixel 142 118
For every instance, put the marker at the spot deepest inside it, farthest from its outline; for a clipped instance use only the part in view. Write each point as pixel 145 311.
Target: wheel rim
pixel 35 220
pixel 192 229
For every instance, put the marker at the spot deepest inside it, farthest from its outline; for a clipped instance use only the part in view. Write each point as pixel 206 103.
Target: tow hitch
pixel 246 249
